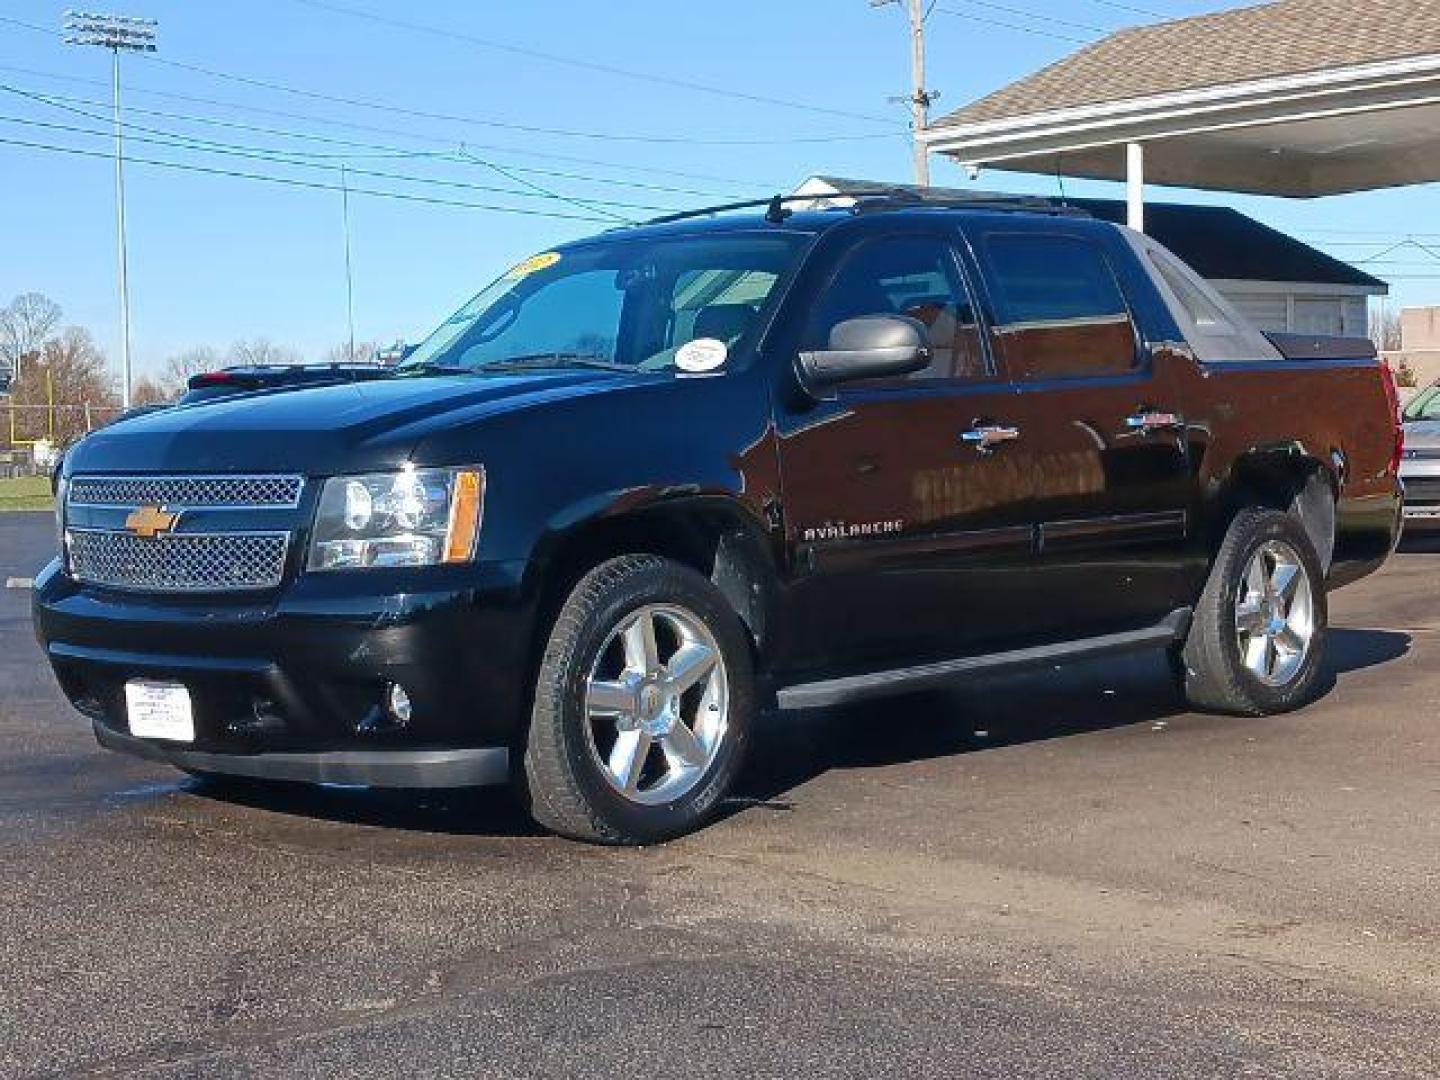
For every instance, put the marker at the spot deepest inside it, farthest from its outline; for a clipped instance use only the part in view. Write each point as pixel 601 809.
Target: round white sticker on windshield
pixel 702 354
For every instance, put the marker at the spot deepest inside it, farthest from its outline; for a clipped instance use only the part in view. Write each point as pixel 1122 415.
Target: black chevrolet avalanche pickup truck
pixel 647 484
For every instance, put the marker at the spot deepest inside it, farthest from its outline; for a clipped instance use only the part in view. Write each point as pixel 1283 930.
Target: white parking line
pixel 19 582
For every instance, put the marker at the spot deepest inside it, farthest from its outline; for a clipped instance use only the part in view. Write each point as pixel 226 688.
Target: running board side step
pixel 815 695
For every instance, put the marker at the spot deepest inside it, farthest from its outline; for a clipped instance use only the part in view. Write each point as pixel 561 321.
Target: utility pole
pixel 919 99
pixel 118 33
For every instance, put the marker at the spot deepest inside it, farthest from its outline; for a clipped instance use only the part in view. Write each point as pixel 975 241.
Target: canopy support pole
pixel 1135 185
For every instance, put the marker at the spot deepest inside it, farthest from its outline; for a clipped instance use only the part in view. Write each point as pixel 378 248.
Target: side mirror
pixel 873 347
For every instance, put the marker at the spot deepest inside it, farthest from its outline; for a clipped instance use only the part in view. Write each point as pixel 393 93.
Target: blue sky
pixel 216 258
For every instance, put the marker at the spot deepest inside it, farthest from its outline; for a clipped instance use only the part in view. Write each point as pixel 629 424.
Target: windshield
pixel 1425 406
pixel 628 304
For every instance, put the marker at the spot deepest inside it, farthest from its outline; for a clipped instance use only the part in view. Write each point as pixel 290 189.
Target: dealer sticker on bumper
pixel 159 710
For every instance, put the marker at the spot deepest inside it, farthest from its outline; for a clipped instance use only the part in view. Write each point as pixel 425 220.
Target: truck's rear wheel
pixel 642 706
pixel 1256 644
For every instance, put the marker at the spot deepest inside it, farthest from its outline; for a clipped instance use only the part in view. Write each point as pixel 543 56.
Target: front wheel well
pixel 713 539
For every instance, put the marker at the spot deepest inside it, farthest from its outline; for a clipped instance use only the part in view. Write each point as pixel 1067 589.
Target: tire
pixel 620 748
pixel 1229 671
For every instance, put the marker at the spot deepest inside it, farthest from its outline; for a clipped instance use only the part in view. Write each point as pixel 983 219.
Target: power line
pixel 503 125
pixel 270 159
pixel 1116 5
pixel 373 129
pixel 1012 26
pixel 1024 13
pixel 312 185
pixel 23 25
pixel 281 157
pixel 586 65
pixel 375 150
pixel 506 125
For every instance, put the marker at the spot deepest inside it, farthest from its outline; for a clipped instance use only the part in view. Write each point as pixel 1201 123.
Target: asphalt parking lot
pixel 1060 876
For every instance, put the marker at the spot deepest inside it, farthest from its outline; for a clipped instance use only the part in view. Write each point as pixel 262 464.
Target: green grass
pixel 26 493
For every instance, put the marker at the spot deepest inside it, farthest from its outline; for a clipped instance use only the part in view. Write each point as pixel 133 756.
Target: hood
pixel 324 430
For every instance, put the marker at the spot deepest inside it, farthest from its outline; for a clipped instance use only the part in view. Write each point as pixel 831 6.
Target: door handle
pixel 986 437
pixel 1148 420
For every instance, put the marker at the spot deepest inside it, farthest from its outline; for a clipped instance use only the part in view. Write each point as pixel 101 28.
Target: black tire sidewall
pixel 1258 529
pixel 661 582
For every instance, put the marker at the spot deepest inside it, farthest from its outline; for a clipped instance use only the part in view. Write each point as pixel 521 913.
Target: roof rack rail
pixel 906 197
pixel 875 199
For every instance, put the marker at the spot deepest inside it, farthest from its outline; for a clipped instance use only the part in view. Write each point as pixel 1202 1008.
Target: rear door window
pixel 1059 311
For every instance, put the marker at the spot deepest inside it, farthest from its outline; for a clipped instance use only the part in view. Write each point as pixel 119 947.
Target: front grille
pixel 187 492
pixel 199 562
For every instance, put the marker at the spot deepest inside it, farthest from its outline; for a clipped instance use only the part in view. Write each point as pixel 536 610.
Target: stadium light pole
pixel 118 33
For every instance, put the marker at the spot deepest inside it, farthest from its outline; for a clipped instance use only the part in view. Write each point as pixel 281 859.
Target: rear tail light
pixel 1392 400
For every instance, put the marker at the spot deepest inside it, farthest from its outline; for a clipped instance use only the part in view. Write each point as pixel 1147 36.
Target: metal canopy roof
pixel 1299 97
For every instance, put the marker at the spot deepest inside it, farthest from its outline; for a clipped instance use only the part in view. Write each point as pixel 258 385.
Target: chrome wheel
pixel 1274 614
pixel 657 704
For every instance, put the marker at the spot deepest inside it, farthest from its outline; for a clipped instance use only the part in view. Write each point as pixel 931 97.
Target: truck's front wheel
pixel 642 706
pixel 1256 644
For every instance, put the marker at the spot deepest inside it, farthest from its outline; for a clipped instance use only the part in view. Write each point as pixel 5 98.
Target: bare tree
pixel 69 374
pixel 1385 328
pixel 261 351
pixel 178 369
pixel 150 390
pixel 25 324
pixel 363 352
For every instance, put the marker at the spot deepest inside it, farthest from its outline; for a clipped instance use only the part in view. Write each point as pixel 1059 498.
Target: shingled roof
pixel 1288 37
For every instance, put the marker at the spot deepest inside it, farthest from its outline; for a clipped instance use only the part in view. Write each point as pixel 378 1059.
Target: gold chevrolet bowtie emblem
pixel 148 522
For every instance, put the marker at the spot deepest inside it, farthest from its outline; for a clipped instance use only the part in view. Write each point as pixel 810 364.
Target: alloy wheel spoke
pixel 642 654
pixel 1257 654
pixel 609 698
pixel 682 749
pixel 1284 579
pixel 1256 578
pixel 627 758
pixel 1290 642
pixel 687 667
pixel 1250 617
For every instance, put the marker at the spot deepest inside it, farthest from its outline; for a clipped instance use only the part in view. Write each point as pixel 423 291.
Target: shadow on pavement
pixel 1077 699
pixel 790 749
pixel 494 812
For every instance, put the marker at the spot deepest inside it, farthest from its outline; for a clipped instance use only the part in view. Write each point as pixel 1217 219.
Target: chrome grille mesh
pixel 180 492
pixel 201 562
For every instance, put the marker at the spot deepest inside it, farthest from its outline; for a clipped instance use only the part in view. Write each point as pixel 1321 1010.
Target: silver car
pixel 1420 467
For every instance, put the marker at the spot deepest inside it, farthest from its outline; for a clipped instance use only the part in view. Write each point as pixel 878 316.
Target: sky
pixel 533 114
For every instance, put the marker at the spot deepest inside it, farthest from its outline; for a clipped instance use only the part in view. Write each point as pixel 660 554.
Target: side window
pixel 1199 308
pixel 1059 310
pixel 915 276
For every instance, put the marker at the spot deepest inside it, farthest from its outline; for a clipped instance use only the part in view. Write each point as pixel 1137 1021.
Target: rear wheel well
pixel 1300 486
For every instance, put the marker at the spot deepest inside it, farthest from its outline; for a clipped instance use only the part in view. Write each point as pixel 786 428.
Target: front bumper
pixel 370 768
pixel 293 686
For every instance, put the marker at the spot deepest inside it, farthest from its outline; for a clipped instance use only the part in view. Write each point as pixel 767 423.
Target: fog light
pixel 398 702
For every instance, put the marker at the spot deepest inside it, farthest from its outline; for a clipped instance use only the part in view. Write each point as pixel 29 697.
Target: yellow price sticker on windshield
pixel 532 265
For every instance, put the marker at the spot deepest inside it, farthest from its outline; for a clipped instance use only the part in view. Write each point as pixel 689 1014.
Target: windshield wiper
pixel 428 368
pixel 554 359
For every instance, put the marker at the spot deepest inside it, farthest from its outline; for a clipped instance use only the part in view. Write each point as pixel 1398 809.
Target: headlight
pixel 415 517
